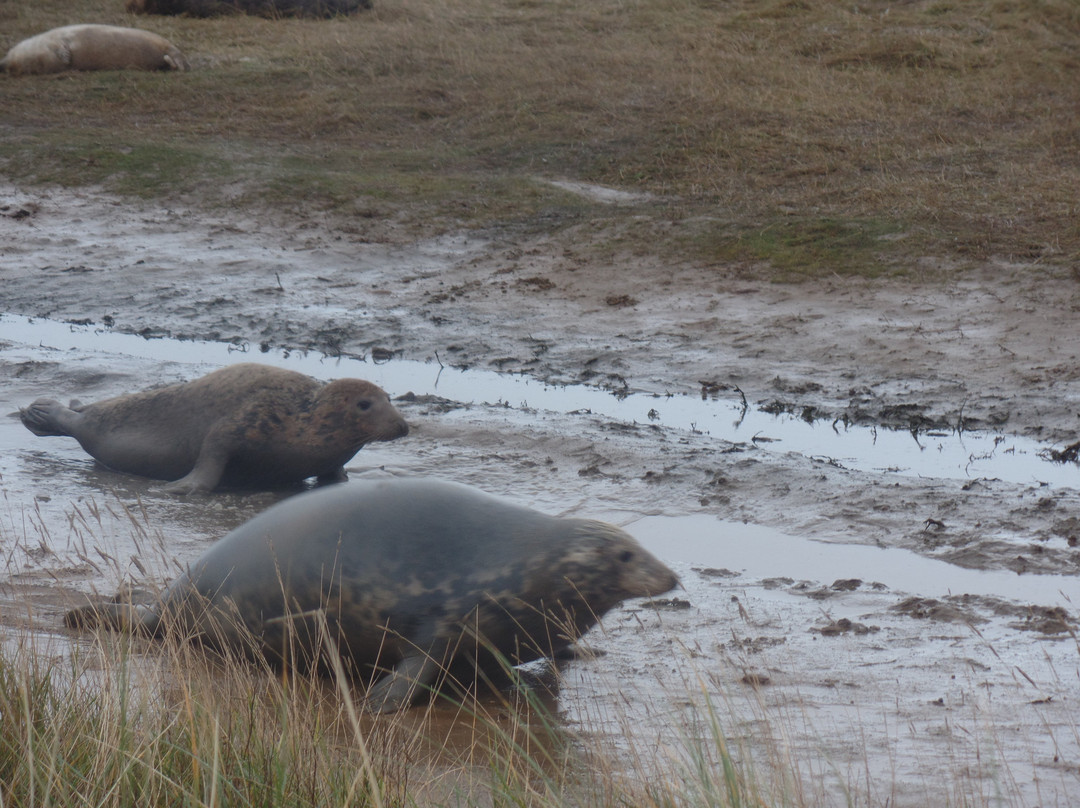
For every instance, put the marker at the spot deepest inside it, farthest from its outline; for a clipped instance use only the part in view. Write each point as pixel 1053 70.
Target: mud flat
pixel 879 560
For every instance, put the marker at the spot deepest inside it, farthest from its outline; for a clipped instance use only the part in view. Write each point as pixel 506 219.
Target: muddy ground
pixel 744 430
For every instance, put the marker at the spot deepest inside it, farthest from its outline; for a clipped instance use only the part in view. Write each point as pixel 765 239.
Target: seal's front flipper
pixel 339 475
pixel 195 482
pixel 410 678
pixel 208 470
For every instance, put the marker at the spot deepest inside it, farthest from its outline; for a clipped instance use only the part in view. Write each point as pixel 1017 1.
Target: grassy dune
pixel 805 135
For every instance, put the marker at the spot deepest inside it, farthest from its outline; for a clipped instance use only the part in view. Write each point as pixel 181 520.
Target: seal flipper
pixel 412 676
pixel 208 470
pixel 339 475
pixel 45 417
pixel 124 617
pixel 200 480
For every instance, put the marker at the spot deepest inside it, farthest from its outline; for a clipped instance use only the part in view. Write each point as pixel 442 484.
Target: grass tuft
pixel 115 727
pixel 800 248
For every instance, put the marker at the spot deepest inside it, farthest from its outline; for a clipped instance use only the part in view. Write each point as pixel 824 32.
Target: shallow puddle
pixel 759 553
pixel 966 455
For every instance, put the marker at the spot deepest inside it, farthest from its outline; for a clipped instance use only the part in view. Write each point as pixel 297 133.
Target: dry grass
pixel 113 726
pixel 108 719
pixel 949 128
pixel 951 124
pixel 111 720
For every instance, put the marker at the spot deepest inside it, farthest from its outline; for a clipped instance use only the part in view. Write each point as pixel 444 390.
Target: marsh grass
pixel 116 735
pixel 119 724
pixel 113 720
pixel 952 123
pixel 109 719
pixel 798 248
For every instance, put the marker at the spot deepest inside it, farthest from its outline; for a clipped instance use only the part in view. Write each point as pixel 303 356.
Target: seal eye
pixel 364 404
pixel 625 556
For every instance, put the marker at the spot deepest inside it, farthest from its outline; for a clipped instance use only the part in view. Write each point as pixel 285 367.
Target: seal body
pixel 245 425
pixel 408 579
pixel 262 8
pixel 93 47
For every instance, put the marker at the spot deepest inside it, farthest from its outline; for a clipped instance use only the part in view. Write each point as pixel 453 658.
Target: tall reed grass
pixel 113 723
pixel 108 719
pixel 113 720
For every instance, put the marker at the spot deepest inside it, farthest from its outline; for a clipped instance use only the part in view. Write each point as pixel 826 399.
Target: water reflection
pixel 758 552
pixel 967 455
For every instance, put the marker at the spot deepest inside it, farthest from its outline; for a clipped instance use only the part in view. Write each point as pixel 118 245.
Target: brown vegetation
pixel 805 133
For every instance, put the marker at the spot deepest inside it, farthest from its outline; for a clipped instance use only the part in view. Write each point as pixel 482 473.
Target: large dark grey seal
pixel 262 8
pixel 410 578
pixel 245 425
pixel 93 47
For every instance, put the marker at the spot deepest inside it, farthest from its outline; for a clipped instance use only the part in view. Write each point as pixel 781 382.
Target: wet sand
pixel 880 565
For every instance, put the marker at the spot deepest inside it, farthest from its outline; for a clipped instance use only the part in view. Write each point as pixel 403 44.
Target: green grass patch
pixel 134 167
pixel 803 248
pixel 395 185
pixel 401 185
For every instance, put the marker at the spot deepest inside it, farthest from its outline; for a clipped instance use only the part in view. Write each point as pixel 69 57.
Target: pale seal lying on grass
pixel 414 579
pixel 245 425
pixel 92 47
pixel 262 8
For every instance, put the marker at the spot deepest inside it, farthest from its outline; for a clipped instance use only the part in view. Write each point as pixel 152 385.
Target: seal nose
pixel 403 430
pixel 669 580
pixel 664 577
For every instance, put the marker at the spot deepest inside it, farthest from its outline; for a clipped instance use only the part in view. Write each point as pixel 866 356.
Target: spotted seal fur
pixel 413 579
pixel 247 425
pixel 92 47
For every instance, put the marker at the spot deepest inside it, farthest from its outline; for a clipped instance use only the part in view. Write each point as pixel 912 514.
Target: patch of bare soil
pixel 895 686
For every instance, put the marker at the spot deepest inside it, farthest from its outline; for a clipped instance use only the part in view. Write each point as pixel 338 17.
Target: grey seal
pixel 410 580
pixel 93 47
pixel 246 425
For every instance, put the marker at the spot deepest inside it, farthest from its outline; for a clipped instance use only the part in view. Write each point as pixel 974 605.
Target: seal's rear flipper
pixel 412 676
pixel 117 616
pixel 41 417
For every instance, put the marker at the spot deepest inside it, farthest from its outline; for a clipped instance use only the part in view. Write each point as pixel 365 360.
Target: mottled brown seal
pixel 411 579
pixel 93 47
pixel 246 425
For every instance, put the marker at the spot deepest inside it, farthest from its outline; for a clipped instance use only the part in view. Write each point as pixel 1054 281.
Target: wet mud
pixel 865 487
